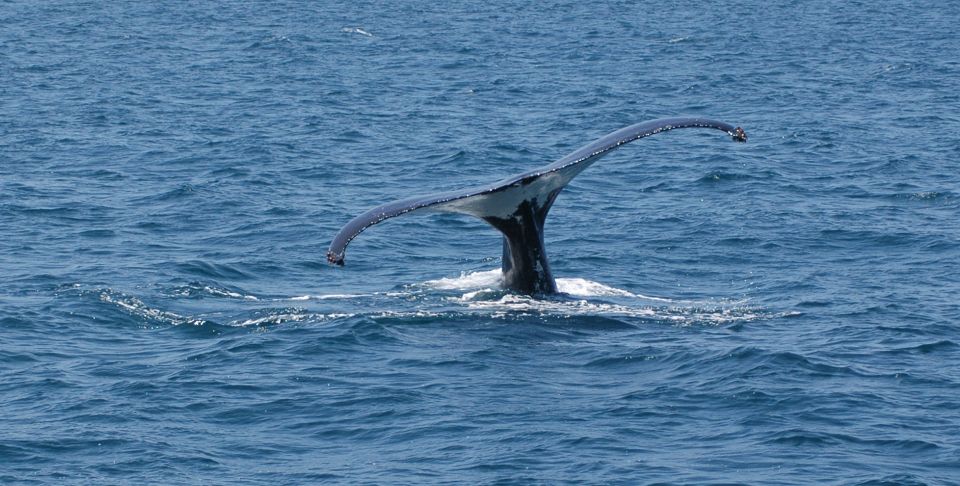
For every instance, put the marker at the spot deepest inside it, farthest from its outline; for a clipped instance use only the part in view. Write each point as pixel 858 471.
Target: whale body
pixel 517 206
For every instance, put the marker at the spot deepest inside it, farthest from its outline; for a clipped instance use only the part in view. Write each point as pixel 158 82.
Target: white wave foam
pixel 356 30
pixel 228 293
pixel 324 297
pixel 289 317
pixel 520 303
pixel 568 308
pixel 271 319
pixel 193 290
pixel 389 314
pixel 138 308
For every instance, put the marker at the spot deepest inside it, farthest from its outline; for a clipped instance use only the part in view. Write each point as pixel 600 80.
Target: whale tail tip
pixel 739 135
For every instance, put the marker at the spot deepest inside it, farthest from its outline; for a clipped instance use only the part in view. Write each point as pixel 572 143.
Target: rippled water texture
pixel 781 312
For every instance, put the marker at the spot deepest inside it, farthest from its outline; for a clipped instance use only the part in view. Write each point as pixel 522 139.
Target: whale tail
pixel 517 206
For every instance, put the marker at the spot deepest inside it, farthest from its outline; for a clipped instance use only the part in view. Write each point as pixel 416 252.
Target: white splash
pixel 589 288
pixel 483 293
pixel 474 280
pixel 485 280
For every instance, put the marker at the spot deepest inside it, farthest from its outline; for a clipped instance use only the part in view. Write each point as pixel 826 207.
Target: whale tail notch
pixel 517 206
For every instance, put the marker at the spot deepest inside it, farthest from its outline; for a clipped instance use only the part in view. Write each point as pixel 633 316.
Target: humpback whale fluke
pixel 518 205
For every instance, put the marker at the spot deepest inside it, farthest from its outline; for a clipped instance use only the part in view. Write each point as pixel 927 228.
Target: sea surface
pixel 785 311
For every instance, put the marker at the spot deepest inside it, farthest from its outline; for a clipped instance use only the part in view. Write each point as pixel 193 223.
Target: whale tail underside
pixel 518 206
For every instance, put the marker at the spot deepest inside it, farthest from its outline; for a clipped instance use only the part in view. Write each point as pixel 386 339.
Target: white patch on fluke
pixel 503 203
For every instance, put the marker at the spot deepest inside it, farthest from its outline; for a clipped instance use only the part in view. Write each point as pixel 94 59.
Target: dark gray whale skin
pixel 517 206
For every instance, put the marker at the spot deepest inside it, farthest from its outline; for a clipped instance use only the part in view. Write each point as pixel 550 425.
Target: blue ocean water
pixel 778 312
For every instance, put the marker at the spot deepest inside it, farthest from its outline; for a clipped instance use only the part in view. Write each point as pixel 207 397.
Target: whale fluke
pixel 517 206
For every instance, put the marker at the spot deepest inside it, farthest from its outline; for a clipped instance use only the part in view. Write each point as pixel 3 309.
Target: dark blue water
pixel 783 311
